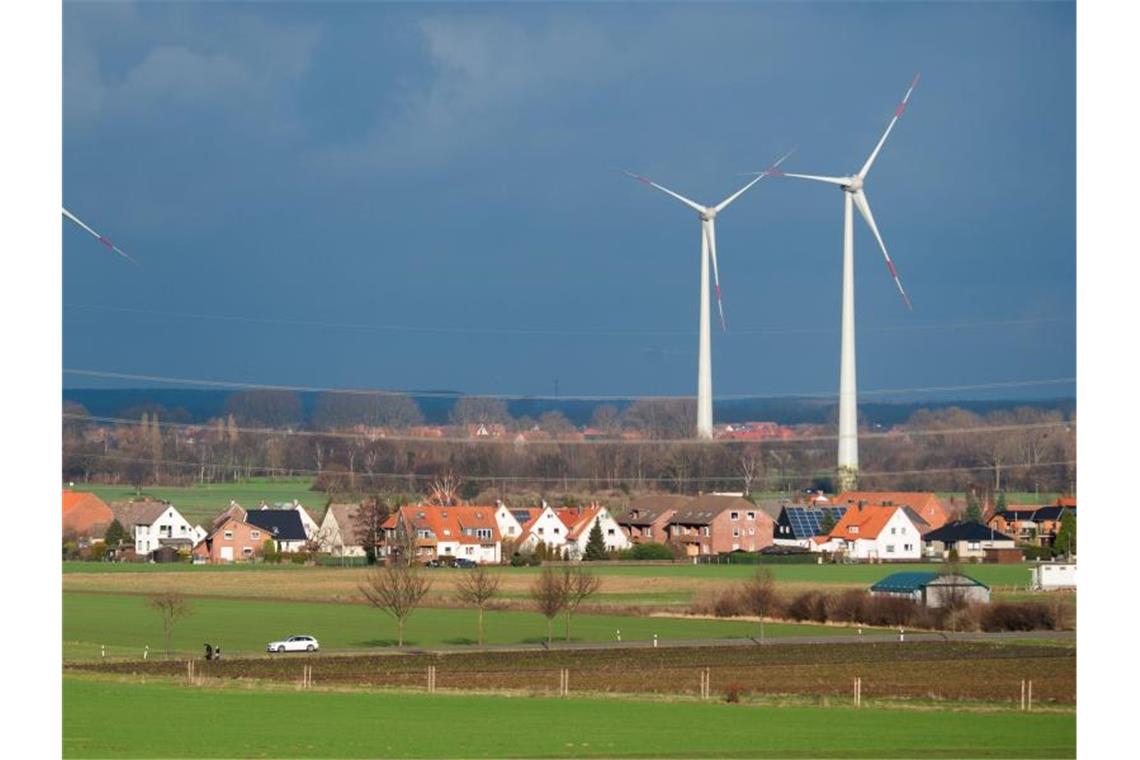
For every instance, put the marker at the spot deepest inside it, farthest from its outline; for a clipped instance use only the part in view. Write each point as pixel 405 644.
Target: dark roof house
pixel 802 522
pixel 963 530
pixel 283 525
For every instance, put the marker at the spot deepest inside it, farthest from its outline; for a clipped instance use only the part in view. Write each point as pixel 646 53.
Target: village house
pixel 799 524
pixel 963 540
pixel 85 515
pixel 152 523
pixel 878 533
pixel 233 540
pixel 542 526
pixel 647 516
pixel 579 521
pixel 283 526
pixel 442 532
pixel 716 524
pixel 1036 525
pixel 339 531
pixel 925 504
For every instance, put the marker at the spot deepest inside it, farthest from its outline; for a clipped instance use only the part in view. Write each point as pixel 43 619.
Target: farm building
pixel 965 539
pixel 85 515
pixel 1054 575
pixel 932 589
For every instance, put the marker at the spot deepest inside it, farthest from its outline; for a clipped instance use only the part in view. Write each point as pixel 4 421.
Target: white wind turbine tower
pixel 848 462
pixel 707 216
pixel 99 237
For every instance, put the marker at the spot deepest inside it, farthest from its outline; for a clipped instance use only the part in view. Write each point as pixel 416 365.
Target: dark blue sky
pixel 430 196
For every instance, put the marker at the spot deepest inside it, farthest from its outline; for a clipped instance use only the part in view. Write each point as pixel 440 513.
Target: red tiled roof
pixel 450 523
pixel 869 521
pixel 577 519
pixel 928 506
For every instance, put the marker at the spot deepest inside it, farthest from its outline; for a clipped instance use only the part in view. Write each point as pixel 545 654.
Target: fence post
pixel 1023 694
pixel 1029 697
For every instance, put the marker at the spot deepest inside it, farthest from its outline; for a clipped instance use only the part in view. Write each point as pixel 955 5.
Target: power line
pixel 278 433
pixel 463 330
pixel 237 384
pixel 780 475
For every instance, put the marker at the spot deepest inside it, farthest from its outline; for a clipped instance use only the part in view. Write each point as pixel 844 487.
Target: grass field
pixel 368 724
pixel 125 624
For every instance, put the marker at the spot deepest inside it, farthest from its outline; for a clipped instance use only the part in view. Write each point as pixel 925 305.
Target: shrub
pixel 889 610
pixel 728 603
pixel 848 607
pixel 299 558
pixel 733 692
pixel 99 552
pixel 1018 616
pixel 518 560
pixel 652 551
pixel 810 605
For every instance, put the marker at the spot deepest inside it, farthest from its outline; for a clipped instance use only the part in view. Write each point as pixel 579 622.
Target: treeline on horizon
pixel 310 410
pixel 259 433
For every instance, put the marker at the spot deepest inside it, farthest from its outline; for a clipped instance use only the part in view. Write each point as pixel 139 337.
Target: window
pixel 734 515
pixel 609 531
pixel 853 529
pixel 892 531
pixel 470 549
pixel 540 531
pixel 246 551
pixel 707 531
pixel 751 515
pixel 510 530
pixel 228 535
pixel 483 532
pixel 557 531
pixel 736 532
pixel 908 547
pixel 890 548
pixel 752 531
pixel 254 535
pixel 649 532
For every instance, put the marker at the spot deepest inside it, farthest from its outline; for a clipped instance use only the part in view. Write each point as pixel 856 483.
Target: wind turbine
pixel 707 215
pixel 848 461
pixel 99 237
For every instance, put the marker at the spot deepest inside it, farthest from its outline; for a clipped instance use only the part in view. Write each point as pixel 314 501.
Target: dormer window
pixel 853 529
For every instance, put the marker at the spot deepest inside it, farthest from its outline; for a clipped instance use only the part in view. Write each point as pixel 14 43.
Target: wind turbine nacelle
pixel 708 214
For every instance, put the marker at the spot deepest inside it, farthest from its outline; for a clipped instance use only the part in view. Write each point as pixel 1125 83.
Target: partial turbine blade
pixel 771 170
pixel 817 178
pixel 710 233
pixel 865 210
pixel 97 236
pixel 898 113
pixel 692 204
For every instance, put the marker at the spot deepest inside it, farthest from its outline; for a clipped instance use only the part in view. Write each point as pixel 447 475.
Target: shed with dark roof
pixel 932 589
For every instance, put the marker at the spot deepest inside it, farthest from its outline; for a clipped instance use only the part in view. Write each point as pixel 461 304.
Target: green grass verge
pixel 125 624
pixel 369 724
pixel 852 575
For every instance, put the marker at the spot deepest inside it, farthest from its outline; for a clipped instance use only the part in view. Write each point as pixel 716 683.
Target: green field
pixel 125 624
pixel 184 722
pixel 997 576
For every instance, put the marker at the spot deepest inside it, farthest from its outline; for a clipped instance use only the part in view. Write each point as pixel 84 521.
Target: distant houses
pixel 963 540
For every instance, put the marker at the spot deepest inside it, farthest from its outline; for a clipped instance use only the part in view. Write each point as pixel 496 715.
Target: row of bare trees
pixel 399 589
pixel 948 449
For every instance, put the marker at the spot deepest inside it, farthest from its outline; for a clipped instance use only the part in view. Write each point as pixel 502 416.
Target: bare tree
pixel 759 596
pixel 370 515
pixel 172 606
pixel 477 587
pixel 577 586
pixel 396 589
pixel 444 491
pixel 548 593
pixel 751 464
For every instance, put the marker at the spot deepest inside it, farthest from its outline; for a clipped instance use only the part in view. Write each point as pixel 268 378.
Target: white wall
pixel 899 539
pixel 612 533
pixel 170 524
pixel 1055 575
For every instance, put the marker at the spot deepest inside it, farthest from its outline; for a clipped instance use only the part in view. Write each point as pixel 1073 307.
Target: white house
pixel 338 530
pixel 580 521
pixel 544 526
pixel 153 523
pixel 510 529
pixel 880 533
pixel 1054 575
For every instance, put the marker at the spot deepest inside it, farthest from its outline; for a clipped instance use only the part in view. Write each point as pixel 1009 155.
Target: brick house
pixel 714 524
pixel 1031 524
pixel 233 540
pixel 647 516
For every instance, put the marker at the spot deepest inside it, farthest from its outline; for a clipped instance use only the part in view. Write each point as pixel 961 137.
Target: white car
pixel 294 644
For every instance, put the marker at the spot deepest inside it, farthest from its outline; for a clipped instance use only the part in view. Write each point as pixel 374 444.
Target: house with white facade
pixel 444 533
pixel 152 523
pixel 880 533
pixel 510 529
pixel 339 533
pixel 545 527
pixel 579 521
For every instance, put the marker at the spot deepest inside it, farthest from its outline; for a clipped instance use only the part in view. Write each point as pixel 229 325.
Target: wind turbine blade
pixel 898 113
pixel 692 204
pixel 771 170
pixel 710 235
pixel 817 178
pixel 97 236
pixel 865 209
